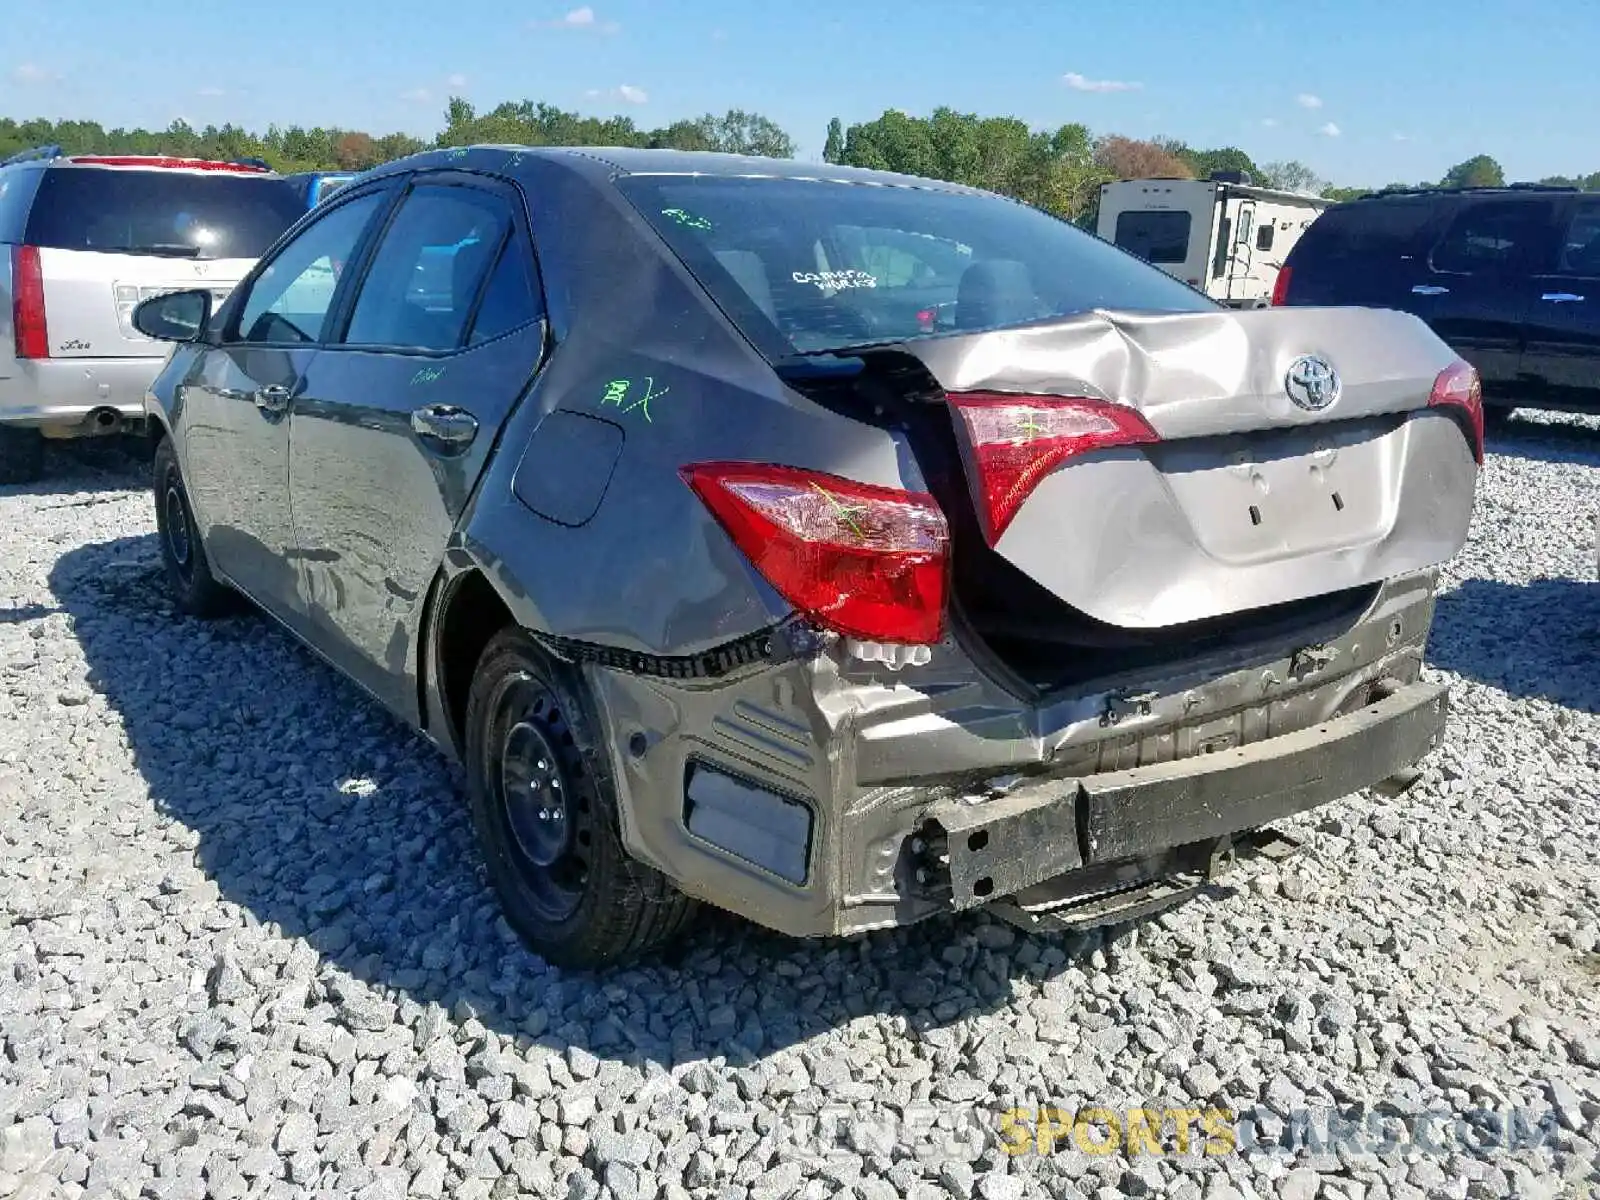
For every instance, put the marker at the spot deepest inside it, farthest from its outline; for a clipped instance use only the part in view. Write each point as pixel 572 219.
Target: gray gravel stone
pixel 246 950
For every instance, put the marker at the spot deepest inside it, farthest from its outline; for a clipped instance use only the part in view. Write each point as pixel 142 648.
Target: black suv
pixel 1510 277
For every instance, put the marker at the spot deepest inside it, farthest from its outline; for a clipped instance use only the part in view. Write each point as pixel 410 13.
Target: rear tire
pixel 21 455
pixel 194 589
pixel 546 815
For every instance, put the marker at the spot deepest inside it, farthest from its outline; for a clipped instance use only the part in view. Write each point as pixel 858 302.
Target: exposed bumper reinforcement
pixel 1045 828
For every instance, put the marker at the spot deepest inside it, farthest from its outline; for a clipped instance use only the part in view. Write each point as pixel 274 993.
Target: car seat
pixel 996 291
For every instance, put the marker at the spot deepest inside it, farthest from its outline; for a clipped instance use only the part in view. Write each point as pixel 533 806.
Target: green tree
pixel 1293 176
pixel 833 148
pixel 1478 171
pixel 1227 158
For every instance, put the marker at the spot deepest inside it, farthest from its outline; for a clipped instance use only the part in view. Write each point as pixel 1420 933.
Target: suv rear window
pixel 815 265
pixel 1158 236
pixel 183 214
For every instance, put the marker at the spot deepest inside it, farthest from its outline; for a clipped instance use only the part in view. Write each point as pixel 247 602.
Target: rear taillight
pixel 27 304
pixel 1459 389
pixel 869 562
pixel 1280 287
pixel 1018 440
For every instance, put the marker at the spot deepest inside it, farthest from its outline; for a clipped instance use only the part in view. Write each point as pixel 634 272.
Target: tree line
pixel 1060 170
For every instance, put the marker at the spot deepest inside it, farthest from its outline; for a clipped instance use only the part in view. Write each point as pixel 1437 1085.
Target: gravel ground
pixel 245 948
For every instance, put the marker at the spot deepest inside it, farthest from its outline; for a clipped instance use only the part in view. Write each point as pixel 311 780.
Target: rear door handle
pixel 1429 289
pixel 1561 298
pixel 274 398
pixel 445 423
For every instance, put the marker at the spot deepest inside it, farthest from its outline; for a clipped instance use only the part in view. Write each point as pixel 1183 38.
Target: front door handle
pixel 445 423
pixel 1429 289
pixel 274 398
pixel 1561 298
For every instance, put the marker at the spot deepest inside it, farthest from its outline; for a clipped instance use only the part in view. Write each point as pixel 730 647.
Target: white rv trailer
pixel 1222 235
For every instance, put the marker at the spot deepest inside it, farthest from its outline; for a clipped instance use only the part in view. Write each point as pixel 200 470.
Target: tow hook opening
pixel 1398 783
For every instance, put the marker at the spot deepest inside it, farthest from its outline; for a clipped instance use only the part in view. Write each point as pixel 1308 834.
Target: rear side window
pixel 1494 237
pixel 175 213
pixel 1158 237
pixel 425 277
pixel 511 298
pixel 814 265
pixel 17 187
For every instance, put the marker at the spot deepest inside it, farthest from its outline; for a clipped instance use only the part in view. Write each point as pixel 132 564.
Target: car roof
pixel 612 161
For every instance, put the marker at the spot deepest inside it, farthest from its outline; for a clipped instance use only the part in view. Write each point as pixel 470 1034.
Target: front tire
pixel 194 589
pixel 546 815
pixel 21 455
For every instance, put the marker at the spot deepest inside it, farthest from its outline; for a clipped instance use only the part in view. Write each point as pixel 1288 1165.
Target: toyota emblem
pixel 1312 383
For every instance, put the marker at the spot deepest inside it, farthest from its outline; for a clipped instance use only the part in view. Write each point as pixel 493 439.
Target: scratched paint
pixel 624 396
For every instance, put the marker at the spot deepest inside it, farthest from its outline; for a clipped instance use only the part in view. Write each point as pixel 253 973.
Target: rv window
pixel 1264 237
pixel 1155 236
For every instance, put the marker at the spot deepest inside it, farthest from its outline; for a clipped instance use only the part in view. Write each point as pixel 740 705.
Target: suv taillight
pixel 1458 388
pixel 27 304
pixel 1280 287
pixel 1018 440
pixel 868 562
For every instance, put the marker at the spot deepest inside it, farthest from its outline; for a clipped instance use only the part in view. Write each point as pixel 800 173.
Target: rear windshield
pixel 1158 237
pixel 808 266
pixel 183 214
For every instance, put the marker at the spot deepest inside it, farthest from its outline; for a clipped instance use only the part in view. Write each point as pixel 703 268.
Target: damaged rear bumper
pixel 1043 829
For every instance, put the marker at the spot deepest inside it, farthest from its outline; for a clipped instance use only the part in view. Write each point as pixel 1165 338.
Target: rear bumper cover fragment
pixel 1042 829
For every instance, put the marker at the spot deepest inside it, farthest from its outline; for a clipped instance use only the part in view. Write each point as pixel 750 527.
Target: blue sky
pixel 1365 91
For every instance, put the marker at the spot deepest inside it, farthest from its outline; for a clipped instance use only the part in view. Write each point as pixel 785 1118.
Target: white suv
pixel 85 238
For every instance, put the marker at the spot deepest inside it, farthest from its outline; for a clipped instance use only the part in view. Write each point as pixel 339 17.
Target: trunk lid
pixel 90 296
pixel 1243 498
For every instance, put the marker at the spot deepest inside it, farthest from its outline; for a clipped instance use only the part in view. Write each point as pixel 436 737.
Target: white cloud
pixel 212 92
pixel 456 81
pixel 1402 137
pixel 417 96
pixel 1079 83
pixel 1307 100
pixel 719 35
pixel 32 73
pixel 1269 122
pixel 1329 130
pixel 626 93
pixel 581 19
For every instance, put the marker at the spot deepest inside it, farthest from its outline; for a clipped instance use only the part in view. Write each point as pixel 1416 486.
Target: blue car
pixel 316 186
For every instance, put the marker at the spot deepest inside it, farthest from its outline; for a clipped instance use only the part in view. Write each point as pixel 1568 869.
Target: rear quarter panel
pixel 640 346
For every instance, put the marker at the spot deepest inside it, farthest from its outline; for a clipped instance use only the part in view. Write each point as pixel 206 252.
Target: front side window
pixel 1493 238
pixel 806 266
pixel 426 274
pixel 1155 236
pixel 1580 249
pixel 289 301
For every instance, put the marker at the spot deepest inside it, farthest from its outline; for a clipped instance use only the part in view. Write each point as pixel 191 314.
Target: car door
pixel 1562 350
pixel 400 414
pixel 1472 290
pixel 236 403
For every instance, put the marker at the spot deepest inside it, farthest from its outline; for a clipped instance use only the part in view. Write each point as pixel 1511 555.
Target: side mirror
pixel 174 317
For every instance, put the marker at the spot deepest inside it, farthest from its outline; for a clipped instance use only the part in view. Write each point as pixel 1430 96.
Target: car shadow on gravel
pixel 1546 437
pixel 88 466
pixel 1534 640
pixel 317 814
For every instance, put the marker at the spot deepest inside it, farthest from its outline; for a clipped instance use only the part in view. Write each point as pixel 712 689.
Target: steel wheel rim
pixel 547 820
pixel 178 538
